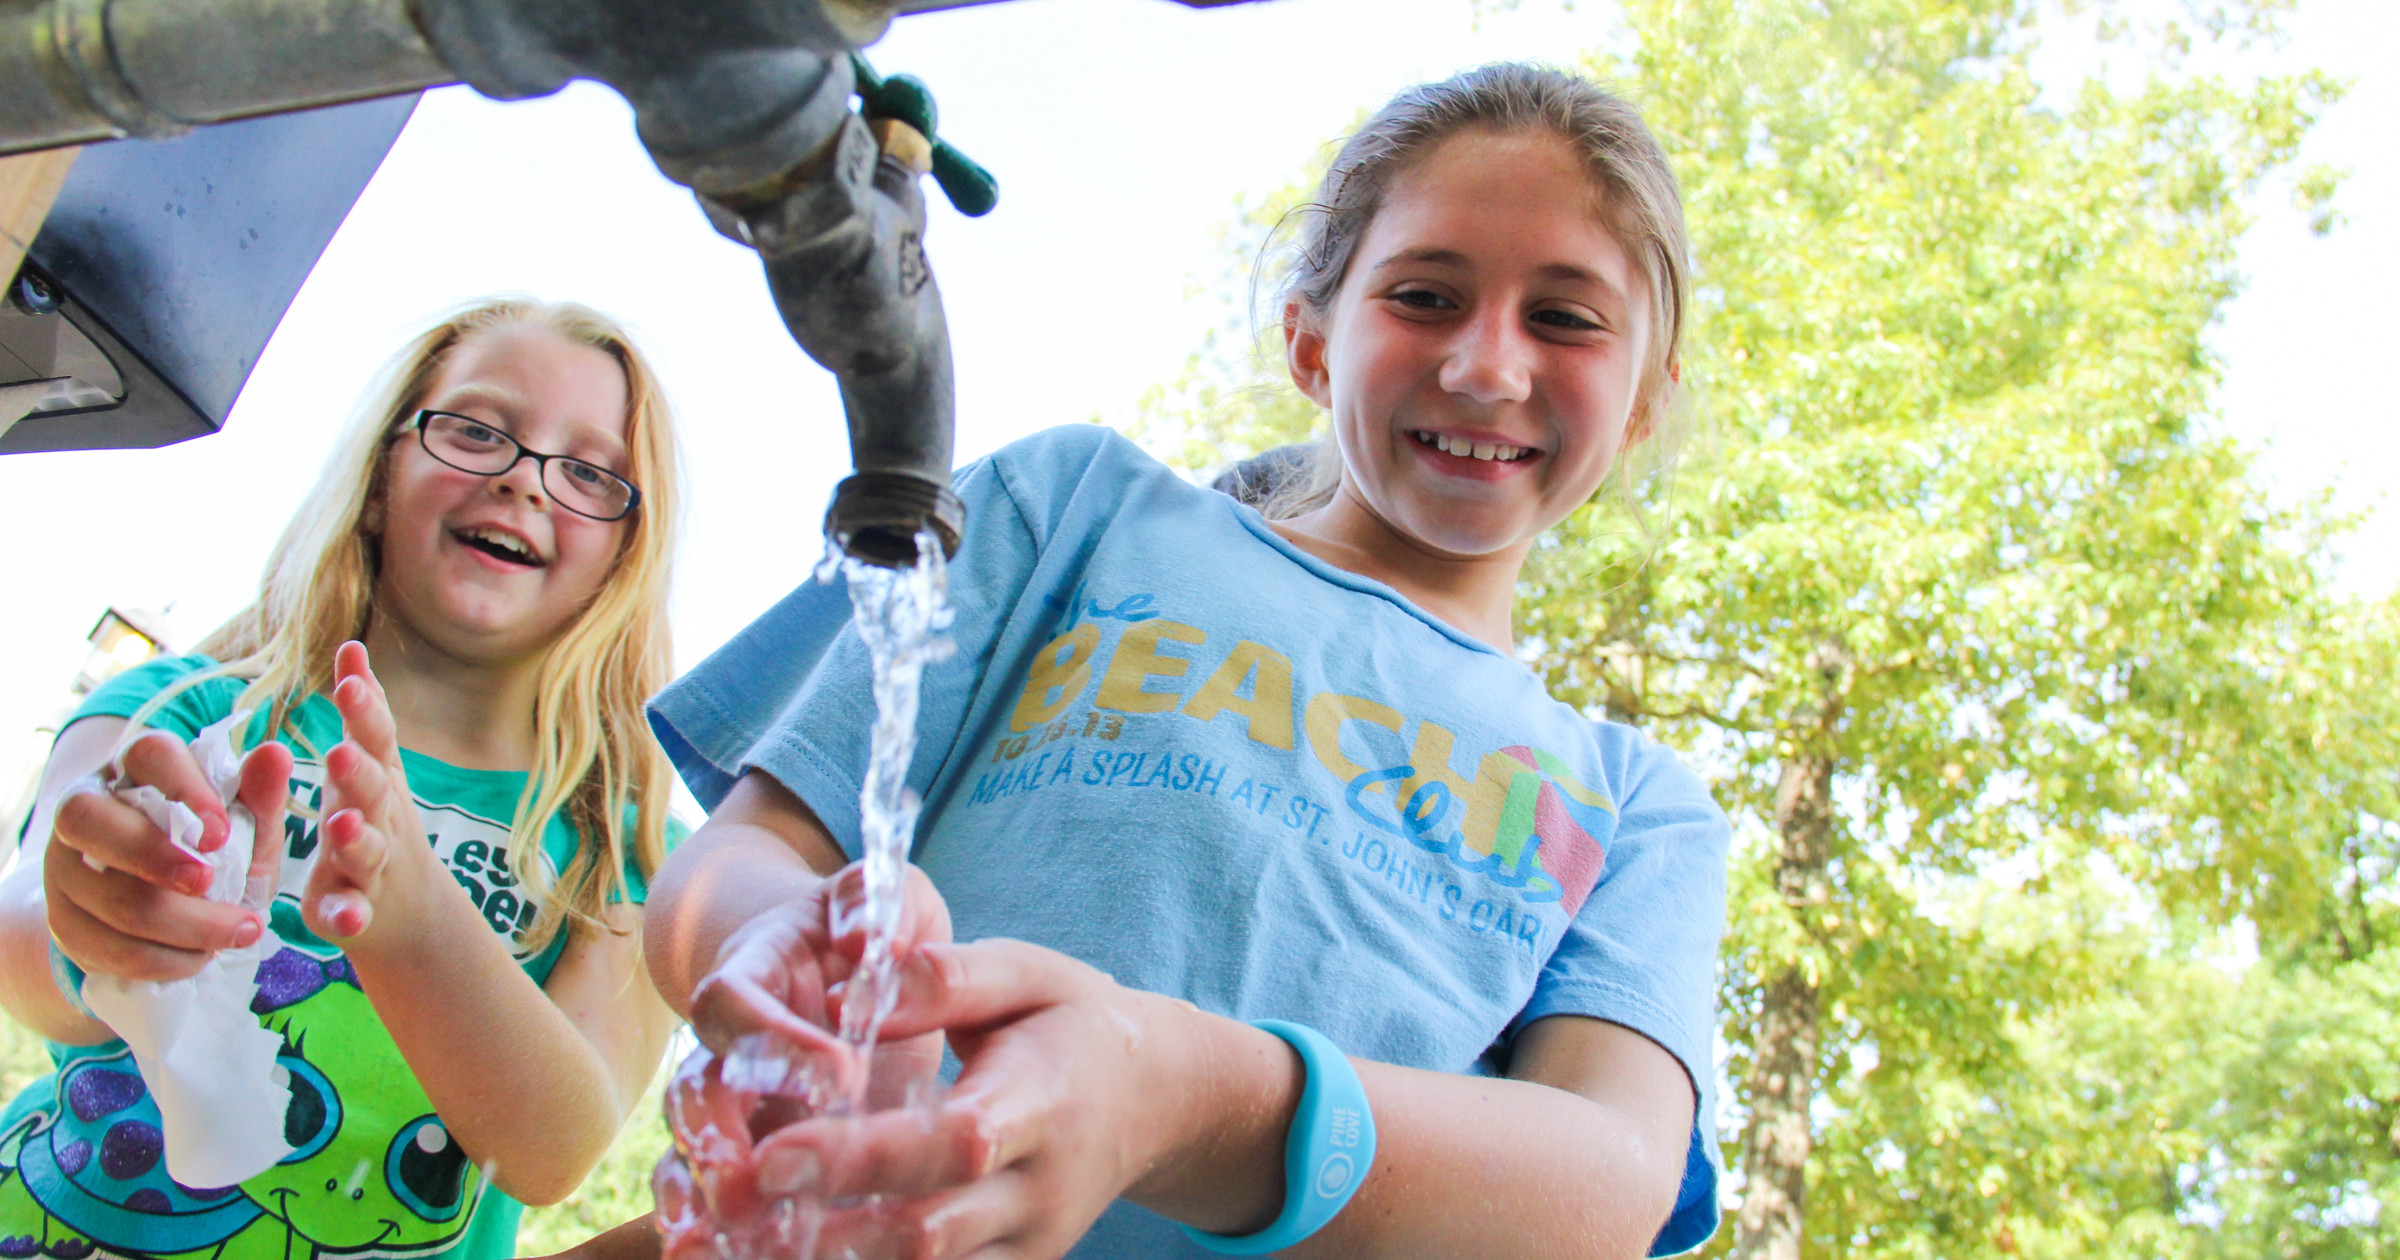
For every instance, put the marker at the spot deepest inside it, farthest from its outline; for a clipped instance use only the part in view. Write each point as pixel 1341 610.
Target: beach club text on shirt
pixel 1510 818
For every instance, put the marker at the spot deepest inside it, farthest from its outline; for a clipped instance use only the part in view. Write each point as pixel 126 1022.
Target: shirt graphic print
pixel 373 1170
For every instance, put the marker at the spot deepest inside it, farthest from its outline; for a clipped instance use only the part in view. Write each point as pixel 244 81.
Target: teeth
pixel 508 541
pixel 1472 450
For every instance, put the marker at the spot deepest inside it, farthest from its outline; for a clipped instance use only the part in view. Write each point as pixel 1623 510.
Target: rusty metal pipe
pixel 746 102
pixel 80 71
pixel 845 258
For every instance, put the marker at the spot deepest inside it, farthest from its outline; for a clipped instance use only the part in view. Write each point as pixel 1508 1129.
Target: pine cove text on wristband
pixel 1326 1157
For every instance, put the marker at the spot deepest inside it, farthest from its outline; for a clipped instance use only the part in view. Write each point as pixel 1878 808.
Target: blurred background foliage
pixel 2065 776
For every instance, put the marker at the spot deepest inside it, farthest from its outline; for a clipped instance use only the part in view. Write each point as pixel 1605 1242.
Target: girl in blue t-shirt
pixel 451 954
pixel 1193 768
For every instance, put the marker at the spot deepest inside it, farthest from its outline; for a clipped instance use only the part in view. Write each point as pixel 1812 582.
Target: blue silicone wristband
pixel 1325 1159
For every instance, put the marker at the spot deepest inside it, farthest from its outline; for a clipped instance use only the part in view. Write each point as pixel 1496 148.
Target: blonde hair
pixel 594 757
pixel 1641 198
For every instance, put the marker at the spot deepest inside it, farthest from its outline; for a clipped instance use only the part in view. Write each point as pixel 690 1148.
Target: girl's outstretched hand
pixel 122 900
pixel 1074 1091
pixel 783 973
pixel 362 872
pixel 770 1012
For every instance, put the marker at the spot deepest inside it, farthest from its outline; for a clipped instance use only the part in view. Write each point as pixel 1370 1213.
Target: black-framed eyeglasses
pixel 469 445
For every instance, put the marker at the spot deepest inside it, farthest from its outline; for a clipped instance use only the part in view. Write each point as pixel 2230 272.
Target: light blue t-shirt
pixel 1184 751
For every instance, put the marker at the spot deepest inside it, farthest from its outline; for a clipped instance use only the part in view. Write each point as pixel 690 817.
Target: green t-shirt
pixel 373 1171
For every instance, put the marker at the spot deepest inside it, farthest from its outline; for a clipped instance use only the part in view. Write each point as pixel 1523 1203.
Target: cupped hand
pixel 784 974
pixel 769 1013
pixel 360 871
pixel 1068 1099
pixel 123 899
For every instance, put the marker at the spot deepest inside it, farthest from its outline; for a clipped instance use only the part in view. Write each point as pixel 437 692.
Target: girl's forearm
pixel 523 1091
pixel 720 879
pixel 1478 1166
pixel 28 992
pixel 1465 1166
pixel 762 847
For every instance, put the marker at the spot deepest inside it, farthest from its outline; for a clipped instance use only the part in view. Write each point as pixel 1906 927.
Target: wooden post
pixel 29 182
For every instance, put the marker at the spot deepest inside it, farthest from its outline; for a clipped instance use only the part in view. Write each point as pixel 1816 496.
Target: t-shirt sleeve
pixel 187 713
pixel 1642 951
pixel 792 693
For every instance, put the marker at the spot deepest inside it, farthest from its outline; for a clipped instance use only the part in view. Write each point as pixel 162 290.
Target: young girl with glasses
pixel 455 968
pixel 1300 916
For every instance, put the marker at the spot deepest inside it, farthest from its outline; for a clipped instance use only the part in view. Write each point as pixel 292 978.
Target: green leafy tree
pixel 1965 580
pixel 2022 694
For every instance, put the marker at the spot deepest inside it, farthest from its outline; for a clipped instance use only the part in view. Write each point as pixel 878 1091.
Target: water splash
pixel 709 1207
pixel 899 613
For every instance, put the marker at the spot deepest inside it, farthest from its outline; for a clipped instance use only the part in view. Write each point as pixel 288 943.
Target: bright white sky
pixel 1122 132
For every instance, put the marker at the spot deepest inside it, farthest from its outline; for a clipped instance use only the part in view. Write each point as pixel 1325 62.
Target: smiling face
pixel 490 569
pixel 1482 357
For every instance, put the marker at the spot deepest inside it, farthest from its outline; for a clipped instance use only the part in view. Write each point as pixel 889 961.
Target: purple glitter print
pixel 96 1092
pixel 73 1156
pixel 19 1246
pixel 70 1248
pixel 130 1148
pixel 151 1200
pixel 291 976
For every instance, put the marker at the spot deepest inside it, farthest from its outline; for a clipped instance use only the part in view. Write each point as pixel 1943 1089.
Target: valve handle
pixel 971 188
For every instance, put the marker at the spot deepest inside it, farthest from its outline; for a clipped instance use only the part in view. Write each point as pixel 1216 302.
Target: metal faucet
pixel 746 102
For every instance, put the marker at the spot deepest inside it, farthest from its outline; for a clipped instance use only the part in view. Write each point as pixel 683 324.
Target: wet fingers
pixel 99 831
pixel 358 780
pixel 904 1151
pixel 357 848
pixel 988 982
pixel 266 792
pixel 337 905
pixel 148 913
pixel 366 711
pixel 103 950
pixel 339 915
pixel 975 1220
pixel 732 1003
pixel 163 761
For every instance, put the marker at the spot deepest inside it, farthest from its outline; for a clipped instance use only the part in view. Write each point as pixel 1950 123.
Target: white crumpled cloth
pixel 208 1063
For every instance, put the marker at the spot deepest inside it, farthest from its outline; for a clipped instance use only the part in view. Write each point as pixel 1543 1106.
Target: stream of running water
pixel 717 1108
pixel 900 614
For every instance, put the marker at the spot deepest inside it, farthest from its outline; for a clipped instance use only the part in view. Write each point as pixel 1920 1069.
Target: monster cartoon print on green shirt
pixel 373 1170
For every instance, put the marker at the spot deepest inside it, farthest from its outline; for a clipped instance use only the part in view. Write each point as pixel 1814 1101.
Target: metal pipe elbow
pixel 844 252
